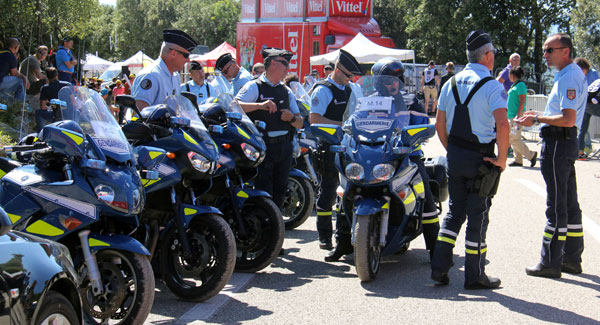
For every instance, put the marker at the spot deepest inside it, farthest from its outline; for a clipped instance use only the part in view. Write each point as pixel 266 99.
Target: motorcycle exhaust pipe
pixel 92 264
pixel 385 217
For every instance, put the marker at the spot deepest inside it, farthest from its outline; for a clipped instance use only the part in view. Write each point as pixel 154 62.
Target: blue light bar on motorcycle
pixel 58 102
pixel 3 108
pixel 234 115
pixel 182 121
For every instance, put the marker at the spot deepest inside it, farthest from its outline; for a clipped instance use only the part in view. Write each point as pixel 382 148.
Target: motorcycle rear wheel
pixel 367 251
pixel 264 224
pixel 208 270
pixel 298 202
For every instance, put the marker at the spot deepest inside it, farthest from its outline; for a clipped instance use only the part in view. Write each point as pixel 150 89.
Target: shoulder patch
pixel 315 101
pixel 146 84
pixel 571 94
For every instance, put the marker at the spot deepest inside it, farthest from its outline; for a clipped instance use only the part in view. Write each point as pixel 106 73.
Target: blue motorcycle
pixel 196 247
pixel 83 190
pixel 384 193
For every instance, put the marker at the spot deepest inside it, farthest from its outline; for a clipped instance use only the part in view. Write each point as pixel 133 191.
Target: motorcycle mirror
pixel 337 148
pixel 181 121
pixel 215 129
pixel 149 157
pixel 234 116
pixel 95 148
pixel 261 125
pixel 5 222
pixel 149 175
pixel 93 164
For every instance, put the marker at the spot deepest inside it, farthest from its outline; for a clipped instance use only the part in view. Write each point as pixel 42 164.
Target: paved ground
pixel 300 288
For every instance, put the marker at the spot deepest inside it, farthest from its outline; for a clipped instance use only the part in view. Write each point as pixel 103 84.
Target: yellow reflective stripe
pixel 428 221
pixel 475 251
pixel 420 188
pixel 306 106
pixel 448 240
pixel 188 211
pixel 562 238
pixel 154 154
pixel 575 234
pixel 43 228
pixel 74 137
pixel 242 194
pixel 95 242
pixel 548 235
pixel 385 206
pixel 13 217
pixel 328 130
pixel 189 138
pixel 242 132
pixel 410 199
pixel 2 173
pixel 148 182
pixel 324 213
pixel 415 131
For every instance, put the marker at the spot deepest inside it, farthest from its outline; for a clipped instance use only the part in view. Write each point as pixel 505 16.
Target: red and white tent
pixel 210 59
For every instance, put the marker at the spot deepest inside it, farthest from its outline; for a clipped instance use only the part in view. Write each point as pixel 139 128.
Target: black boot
pixel 343 247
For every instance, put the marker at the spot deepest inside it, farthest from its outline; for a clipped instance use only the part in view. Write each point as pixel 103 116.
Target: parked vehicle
pixel 83 190
pixel 38 282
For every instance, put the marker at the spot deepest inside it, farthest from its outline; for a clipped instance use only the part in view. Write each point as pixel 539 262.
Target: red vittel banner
pixel 350 8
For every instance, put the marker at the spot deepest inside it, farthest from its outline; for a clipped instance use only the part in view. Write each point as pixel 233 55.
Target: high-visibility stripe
pixel 446 239
pixel 420 188
pixel 95 242
pixel 77 139
pixel 13 217
pixel 154 154
pixel 243 194
pixel 41 227
pixel 410 199
pixel 189 138
pixel 2 173
pixel 548 235
pixel 415 131
pixel 385 206
pixel 243 133
pixel 428 221
pixel 562 238
pixel 575 234
pixel 324 213
pixel 475 251
pixel 188 211
pixel 575 226
pixel 328 130
pixel 448 232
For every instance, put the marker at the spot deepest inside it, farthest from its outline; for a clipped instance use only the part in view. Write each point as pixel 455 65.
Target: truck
pixel 303 27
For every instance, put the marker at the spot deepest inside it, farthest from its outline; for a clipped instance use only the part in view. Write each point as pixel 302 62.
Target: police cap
pixel 477 39
pixel 180 38
pixel 329 66
pixel 195 65
pixel 271 52
pixel 349 62
pixel 223 60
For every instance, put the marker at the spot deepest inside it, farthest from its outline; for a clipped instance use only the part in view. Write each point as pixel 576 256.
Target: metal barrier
pixel 534 103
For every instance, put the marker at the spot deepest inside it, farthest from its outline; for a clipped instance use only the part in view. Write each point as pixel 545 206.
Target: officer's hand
pixel 286 115
pixel 526 119
pixel 270 106
pixel 497 162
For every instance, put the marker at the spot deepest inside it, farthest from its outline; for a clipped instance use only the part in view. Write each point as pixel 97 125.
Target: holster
pixel 485 184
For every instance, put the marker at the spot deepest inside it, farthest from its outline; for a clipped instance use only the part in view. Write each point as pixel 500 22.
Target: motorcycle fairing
pixel 99 242
pixel 188 212
pixel 169 174
pixel 63 141
pixel 294 172
pixel 243 194
pixel 328 133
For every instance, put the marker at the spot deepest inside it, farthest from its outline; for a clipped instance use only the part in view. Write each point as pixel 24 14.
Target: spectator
pixel 48 92
pixel 328 69
pixel 503 78
pixel 591 75
pixel 517 98
pixel 258 69
pixel 429 85
pixel 11 80
pixel 32 68
pixel 448 75
pixel 118 90
pixel 65 61
pixel 198 85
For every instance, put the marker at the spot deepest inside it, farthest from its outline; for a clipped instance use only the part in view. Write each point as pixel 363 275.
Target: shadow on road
pixel 238 312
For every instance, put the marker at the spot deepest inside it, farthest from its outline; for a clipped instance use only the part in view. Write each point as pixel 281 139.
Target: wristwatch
pixel 293 120
pixel 535 120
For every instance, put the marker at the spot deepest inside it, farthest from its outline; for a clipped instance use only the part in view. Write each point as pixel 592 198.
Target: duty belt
pixel 558 133
pixel 483 148
pixel 277 139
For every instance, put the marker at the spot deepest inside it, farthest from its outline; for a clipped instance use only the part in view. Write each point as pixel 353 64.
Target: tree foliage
pixel 585 20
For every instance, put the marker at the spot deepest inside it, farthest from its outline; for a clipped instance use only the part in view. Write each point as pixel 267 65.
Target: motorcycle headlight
pixel 199 162
pixel 105 193
pixel 137 199
pixel 250 152
pixel 383 172
pixel 355 171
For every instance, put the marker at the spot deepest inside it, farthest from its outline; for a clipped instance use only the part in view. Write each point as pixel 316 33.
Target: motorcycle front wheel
pixel 298 202
pixel 203 274
pixel 367 251
pixel 128 283
pixel 262 243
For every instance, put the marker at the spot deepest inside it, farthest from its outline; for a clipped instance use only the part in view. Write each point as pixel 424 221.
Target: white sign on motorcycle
pixel 375 103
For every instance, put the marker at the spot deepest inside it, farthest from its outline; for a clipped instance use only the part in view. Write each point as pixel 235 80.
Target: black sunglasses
pixel 184 54
pixel 284 62
pixel 551 49
pixel 348 75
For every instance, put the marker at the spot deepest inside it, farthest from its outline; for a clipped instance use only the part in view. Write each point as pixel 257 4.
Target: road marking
pixel 206 309
pixel 589 226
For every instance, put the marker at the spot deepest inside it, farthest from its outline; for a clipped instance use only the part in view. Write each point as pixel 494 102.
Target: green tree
pixel 103 33
pixel 585 20
pixel 210 22
pixel 390 15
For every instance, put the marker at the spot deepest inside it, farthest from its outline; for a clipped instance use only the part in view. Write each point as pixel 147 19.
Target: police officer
pixel 198 85
pixel 329 98
pixel 407 103
pixel 161 79
pixel 471 104
pixel 229 68
pixel 562 243
pixel 267 99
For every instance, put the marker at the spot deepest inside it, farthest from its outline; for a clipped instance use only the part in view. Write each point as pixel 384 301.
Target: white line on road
pixel 206 309
pixel 588 225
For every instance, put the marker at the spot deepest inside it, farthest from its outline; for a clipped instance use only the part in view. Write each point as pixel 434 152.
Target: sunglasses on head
pixel 284 62
pixel 184 54
pixel 551 49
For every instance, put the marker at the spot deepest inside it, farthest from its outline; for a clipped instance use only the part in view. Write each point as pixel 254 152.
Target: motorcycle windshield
pixel 230 105
pixel 221 85
pixel 87 108
pixel 302 97
pixel 380 112
pixel 180 106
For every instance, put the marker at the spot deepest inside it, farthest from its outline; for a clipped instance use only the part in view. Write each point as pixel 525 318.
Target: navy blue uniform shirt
pixel 8 61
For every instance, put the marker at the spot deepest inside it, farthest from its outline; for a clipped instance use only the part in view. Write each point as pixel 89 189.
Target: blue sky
pixel 108 2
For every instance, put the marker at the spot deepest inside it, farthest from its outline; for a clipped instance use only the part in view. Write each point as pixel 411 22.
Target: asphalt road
pixel 300 288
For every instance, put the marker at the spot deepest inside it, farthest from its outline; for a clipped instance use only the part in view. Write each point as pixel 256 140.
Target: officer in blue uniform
pixel 410 110
pixel 471 104
pixel 329 98
pixel 229 68
pixel 562 243
pixel 198 85
pixel 161 79
pixel 267 99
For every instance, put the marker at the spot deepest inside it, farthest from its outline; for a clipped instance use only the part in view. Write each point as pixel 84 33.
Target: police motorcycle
pixel 384 193
pixel 299 199
pixel 253 216
pixel 82 189
pixel 192 244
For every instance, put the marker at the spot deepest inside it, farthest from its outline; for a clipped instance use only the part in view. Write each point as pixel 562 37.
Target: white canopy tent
pixel 135 63
pixel 95 63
